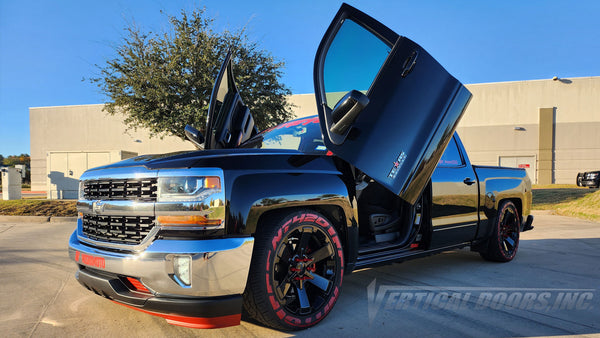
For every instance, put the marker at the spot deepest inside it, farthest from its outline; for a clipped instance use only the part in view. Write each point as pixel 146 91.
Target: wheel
pixel 579 179
pixel 504 241
pixel 296 272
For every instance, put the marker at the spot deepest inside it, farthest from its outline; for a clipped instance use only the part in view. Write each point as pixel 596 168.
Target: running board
pixel 380 248
pixel 400 256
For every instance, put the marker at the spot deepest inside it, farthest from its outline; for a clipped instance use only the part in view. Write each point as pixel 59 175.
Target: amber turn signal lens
pixel 212 182
pixel 194 220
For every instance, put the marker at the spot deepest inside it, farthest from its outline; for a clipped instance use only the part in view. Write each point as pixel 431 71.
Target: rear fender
pixel 494 192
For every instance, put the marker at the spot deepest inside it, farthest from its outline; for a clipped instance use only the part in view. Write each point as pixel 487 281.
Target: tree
pixel 162 82
pixel 11 160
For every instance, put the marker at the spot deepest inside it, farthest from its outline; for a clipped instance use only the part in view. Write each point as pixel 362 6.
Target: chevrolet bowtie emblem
pixel 98 207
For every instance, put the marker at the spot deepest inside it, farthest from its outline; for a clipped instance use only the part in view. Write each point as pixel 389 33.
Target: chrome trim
pixel 191 172
pixel 116 208
pixel 216 210
pixel 219 266
pixel 454 227
pixel 116 246
pixel 118 173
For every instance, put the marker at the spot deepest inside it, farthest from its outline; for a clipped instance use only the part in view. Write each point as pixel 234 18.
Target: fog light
pixel 182 265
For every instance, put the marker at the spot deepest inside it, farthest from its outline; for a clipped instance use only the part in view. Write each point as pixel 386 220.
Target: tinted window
pixel 352 62
pixel 451 156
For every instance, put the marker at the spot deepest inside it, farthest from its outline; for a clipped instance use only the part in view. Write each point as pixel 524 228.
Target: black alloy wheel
pixel 296 272
pixel 504 241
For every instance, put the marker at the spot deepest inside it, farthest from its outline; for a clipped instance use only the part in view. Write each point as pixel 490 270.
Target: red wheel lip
pixel 503 233
pixel 291 319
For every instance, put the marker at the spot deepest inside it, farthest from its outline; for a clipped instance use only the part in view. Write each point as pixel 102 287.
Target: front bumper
pixel 219 271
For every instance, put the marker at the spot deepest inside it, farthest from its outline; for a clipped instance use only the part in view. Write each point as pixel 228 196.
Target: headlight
pixel 187 189
pixel 186 202
pixel 81 194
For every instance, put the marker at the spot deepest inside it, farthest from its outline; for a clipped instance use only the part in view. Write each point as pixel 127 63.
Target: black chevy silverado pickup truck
pixel 272 221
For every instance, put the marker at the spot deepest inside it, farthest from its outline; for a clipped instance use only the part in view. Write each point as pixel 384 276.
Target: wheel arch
pixel 334 213
pixel 516 201
pixel 257 198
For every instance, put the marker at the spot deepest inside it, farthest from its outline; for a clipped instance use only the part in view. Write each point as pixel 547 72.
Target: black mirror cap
pixel 194 136
pixel 346 111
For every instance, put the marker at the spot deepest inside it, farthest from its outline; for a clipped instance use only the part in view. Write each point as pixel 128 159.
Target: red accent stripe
pixel 194 322
pixel 137 285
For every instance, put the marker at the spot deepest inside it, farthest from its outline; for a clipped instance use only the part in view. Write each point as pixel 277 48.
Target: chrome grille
pixel 124 189
pixel 117 229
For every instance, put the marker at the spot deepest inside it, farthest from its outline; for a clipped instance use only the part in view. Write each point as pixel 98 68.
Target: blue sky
pixel 49 48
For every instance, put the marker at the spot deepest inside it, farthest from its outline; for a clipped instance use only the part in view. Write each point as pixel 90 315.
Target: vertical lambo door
pixel 229 122
pixel 385 105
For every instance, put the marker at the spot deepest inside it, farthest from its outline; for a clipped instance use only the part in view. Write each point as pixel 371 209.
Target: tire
pixel 504 241
pixel 579 179
pixel 296 272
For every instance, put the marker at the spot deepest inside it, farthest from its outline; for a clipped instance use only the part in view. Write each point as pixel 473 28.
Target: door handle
pixel 469 181
pixel 409 63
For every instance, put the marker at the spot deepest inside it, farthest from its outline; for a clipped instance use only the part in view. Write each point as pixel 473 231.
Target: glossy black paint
pixel 262 182
pixel 497 184
pixel 454 210
pixel 409 118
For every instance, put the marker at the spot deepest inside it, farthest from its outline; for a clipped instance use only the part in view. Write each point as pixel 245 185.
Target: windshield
pixel 302 134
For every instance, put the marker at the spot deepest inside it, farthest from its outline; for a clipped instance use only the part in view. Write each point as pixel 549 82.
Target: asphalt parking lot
pixel 551 288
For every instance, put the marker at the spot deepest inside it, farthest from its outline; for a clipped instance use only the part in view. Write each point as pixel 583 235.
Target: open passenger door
pixel 385 105
pixel 229 122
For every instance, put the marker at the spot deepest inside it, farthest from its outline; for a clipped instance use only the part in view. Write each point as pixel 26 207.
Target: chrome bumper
pixel 219 266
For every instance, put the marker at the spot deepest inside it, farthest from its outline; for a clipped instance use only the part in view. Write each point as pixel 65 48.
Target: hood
pixel 222 158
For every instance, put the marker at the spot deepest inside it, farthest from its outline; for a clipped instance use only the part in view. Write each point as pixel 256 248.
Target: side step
pixel 399 256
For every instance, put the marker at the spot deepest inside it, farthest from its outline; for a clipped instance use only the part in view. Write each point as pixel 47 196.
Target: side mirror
pixel 194 136
pixel 346 111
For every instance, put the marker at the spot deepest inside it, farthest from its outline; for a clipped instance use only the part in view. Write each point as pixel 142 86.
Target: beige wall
pixel 487 128
pixel 86 128
pixel 303 104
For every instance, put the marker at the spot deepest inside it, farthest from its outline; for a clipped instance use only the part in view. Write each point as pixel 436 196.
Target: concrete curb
pixel 63 219
pixel 24 219
pixel 36 219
